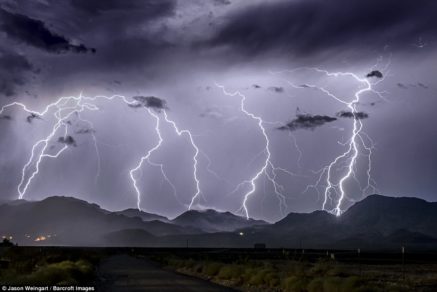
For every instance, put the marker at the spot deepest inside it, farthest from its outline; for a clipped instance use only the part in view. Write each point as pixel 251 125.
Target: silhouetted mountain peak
pixel 212 221
pixel 143 215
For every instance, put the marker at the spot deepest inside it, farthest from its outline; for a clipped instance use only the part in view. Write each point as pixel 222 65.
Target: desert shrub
pixel 271 280
pixel 321 268
pixel 173 262
pixel 248 272
pixel 350 284
pixel 297 269
pixel 316 285
pixel 295 284
pixel 62 273
pixel 211 269
pixel 331 284
pixel 257 278
pixel 189 264
pixel 229 272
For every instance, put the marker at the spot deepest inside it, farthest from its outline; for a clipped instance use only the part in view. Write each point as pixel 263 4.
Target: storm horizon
pixel 260 109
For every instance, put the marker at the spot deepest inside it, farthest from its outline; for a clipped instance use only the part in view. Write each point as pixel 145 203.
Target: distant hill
pixel 141 214
pixel 69 221
pixel 376 222
pixel 387 215
pixel 214 221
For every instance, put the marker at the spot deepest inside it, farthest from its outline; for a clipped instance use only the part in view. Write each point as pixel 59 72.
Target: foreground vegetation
pixel 243 269
pixel 299 275
pixel 42 266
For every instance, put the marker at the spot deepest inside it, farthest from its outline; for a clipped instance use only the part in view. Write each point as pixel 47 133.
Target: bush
pixel 295 284
pixel 211 269
pixel 321 268
pixel 228 272
pixel 316 285
pixel 63 273
pixel 332 284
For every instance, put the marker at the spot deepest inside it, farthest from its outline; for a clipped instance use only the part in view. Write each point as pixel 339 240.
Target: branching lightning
pixel 147 158
pixel 268 169
pixel 63 109
pixel 334 188
pixel 358 139
pixel 195 156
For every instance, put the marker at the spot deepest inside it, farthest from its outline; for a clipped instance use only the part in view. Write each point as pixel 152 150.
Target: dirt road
pixel 126 273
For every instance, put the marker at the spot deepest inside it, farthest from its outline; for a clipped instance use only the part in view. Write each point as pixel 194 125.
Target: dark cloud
pixel 374 73
pixel 150 102
pixel 357 115
pixel 68 140
pixel 277 89
pixel 31 117
pixel 422 85
pixel 36 33
pixel 213 112
pixel 5 117
pixel 221 2
pixel 401 85
pixel 306 27
pixel 307 122
pixel 148 8
pixel 14 69
pixel 85 131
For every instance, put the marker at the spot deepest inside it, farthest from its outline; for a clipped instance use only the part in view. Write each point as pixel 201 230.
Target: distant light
pixel 241 233
pixel 40 238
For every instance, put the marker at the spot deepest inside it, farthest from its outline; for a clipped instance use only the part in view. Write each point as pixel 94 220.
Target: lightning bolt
pixel 195 156
pixel 96 147
pixel 61 105
pixel 350 156
pixel 267 169
pixel 146 158
pixel 64 108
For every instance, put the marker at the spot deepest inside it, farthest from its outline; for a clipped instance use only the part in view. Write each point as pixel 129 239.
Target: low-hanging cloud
pixel 277 89
pixel 153 102
pixel 68 140
pixel 32 117
pixel 356 115
pixel 307 122
pixel 5 117
pixel 374 73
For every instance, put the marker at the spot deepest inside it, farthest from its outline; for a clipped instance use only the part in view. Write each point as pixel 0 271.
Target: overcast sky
pixel 179 51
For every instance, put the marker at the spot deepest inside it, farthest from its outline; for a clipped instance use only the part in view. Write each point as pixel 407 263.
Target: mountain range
pixel 376 222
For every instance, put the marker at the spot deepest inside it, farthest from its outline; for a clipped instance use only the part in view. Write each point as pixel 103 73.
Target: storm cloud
pixel 36 33
pixel 374 73
pixel 68 140
pixel 14 71
pixel 32 117
pixel 277 89
pixel 313 26
pixel 85 131
pixel 148 49
pixel 307 122
pixel 150 102
pixel 5 117
pixel 357 115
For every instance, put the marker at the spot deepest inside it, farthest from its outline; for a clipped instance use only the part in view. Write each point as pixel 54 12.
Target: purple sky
pixel 179 51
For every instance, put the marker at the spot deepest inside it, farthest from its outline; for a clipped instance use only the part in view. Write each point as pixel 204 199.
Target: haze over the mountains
pixel 375 222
